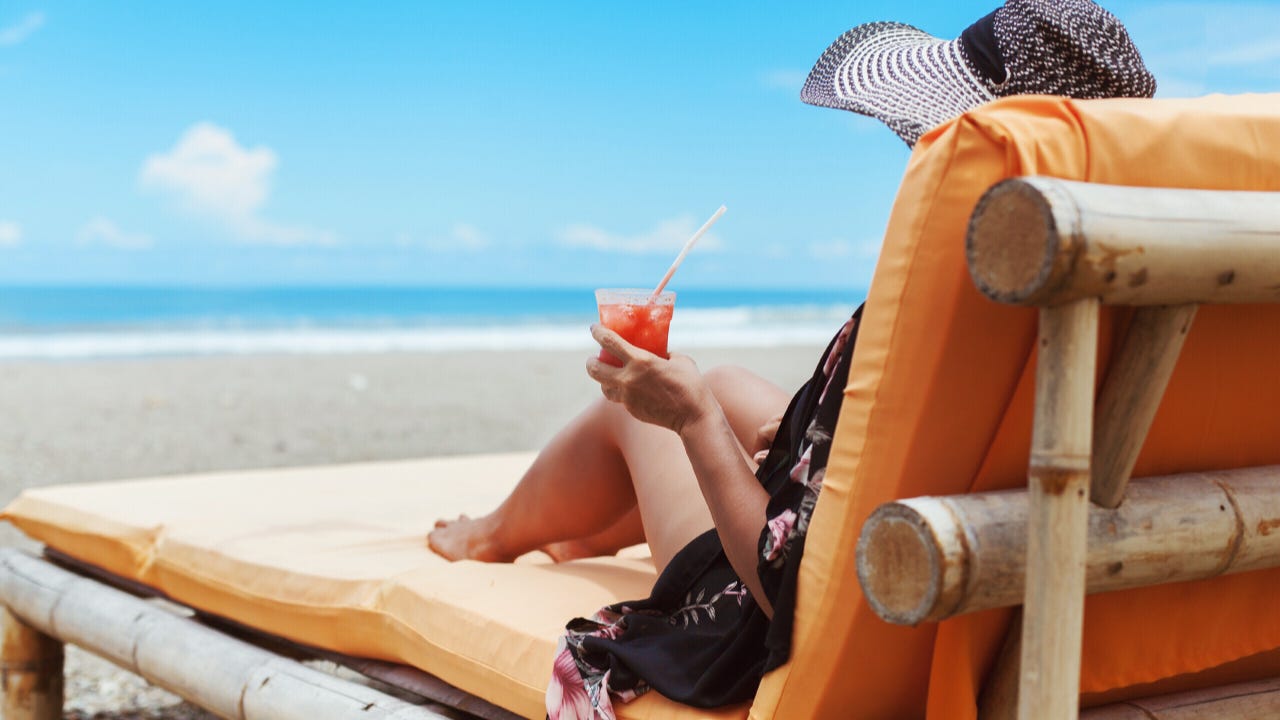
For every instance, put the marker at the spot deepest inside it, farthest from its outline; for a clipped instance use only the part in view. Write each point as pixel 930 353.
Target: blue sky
pixel 517 143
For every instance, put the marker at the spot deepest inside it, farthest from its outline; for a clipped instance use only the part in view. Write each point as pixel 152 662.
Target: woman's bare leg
pixel 623 533
pixel 748 401
pixel 590 477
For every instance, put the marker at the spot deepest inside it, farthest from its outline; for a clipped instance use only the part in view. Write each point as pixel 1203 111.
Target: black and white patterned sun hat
pixel 912 81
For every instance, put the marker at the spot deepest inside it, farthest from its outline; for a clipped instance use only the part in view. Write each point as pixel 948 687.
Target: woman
pixel 718 472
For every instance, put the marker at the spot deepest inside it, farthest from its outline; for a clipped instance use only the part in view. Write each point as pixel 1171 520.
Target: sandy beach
pixel 97 420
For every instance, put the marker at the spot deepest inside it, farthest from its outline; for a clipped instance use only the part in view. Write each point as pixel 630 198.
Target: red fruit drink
pixel 631 314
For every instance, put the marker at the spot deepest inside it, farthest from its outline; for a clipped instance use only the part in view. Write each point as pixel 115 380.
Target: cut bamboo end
pixel 1169 529
pixel 1043 241
pixel 900 563
pixel 1014 246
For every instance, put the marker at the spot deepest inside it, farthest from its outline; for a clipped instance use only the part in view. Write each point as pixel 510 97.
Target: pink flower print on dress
pixel 604 702
pixel 800 471
pixel 829 366
pixel 610 623
pixel 779 531
pixel 610 631
pixel 567 697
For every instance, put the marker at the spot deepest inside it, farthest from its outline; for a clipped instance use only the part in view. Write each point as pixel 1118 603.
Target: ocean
pixel 106 322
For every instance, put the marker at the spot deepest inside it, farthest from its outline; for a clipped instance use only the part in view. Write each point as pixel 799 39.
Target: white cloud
pixel 101 231
pixel 25 28
pixel 210 174
pixel 10 234
pixel 466 237
pixel 667 236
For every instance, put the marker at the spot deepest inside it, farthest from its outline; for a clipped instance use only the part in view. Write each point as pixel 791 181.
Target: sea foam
pixel 692 328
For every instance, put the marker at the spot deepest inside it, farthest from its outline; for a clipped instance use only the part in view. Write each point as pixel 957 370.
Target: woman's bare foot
pixel 467 539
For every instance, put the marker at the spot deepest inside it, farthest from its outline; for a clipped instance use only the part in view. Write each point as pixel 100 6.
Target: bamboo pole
pixel 401 677
pixel 1240 701
pixel 930 558
pixel 1131 395
pixel 1053 608
pixel 230 678
pixel 1043 241
pixel 31 669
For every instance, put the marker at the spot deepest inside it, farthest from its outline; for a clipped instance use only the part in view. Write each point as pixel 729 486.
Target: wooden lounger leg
pixel 1131 395
pixel 999 697
pixel 1053 611
pixel 31 667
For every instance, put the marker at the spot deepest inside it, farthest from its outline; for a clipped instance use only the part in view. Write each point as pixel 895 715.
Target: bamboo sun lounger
pixel 1070 294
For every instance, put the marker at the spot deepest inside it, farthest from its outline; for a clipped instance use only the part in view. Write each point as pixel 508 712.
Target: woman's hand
pixel 670 393
pixel 759 449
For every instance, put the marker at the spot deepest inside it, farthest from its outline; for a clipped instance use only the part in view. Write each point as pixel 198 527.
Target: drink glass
pixel 639 321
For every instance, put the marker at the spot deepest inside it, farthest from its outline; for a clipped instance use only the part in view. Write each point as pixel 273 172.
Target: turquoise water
pixel 69 322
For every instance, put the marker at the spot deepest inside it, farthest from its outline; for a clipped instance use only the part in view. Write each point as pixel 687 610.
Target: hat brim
pixel 898 74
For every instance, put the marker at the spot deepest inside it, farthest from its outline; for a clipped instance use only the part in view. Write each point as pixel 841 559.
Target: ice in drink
pixel 639 321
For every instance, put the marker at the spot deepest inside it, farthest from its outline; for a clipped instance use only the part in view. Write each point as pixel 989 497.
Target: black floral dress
pixel 700 638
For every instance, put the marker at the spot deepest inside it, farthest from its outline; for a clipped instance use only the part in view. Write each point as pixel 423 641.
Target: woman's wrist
pixel 703 412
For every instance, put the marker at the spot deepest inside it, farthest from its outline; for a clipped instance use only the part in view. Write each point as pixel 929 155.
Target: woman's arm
pixel 672 394
pixel 736 498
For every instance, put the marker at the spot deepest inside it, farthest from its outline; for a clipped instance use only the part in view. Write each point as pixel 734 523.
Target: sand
pixel 90 421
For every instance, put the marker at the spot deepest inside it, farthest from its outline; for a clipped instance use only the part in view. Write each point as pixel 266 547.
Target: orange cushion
pixel 940 397
pixel 335 557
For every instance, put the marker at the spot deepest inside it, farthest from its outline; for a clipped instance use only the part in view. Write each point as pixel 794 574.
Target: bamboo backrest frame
pixel 1068 247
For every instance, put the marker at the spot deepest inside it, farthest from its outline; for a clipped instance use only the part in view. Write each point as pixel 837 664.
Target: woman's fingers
pixel 662 391
pixel 766 433
pixel 614 344
pixel 612 378
pixel 611 391
pixel 601 371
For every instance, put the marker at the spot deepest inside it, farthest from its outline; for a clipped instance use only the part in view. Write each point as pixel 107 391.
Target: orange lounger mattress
pixel 335 557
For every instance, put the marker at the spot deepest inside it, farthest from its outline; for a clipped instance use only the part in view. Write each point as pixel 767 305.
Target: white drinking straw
pixel 685 251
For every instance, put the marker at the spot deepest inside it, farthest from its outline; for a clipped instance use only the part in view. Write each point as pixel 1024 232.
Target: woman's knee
pixel 736 386
pixel 747 399
pixel 726 381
